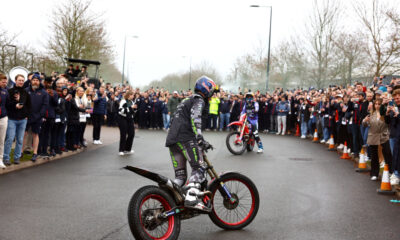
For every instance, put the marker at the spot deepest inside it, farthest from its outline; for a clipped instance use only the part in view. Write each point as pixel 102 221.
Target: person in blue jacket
pixel 99 113
pixel 282 109
pixel 39 104
pixel 251 109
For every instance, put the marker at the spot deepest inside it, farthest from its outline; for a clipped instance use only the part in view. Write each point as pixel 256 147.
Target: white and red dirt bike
pixel 242 138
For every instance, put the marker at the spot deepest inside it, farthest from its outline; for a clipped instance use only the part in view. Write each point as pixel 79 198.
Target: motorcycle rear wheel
pixel 230 143
pixel 145 205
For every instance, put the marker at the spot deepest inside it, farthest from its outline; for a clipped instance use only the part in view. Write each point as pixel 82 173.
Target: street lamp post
pixel 269 41
pixel 31 60
pixel 43 62
pixel 123 63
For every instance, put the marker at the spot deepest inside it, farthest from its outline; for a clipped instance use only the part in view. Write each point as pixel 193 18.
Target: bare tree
pixel 78 34
pixel 320 34
pixel 281 64
pixel 299 64
pixel 349 55
pixel 5 55
pixel 179 81
pixel 249 70
pixel 380 23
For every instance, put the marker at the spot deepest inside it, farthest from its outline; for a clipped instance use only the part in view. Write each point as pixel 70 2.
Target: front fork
pixel 214 175
pixel 226 194
pixel 242 129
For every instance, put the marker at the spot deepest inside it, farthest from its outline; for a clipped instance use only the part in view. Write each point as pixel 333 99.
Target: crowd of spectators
pixel 49 114
pixel 356 115
pixel 46 116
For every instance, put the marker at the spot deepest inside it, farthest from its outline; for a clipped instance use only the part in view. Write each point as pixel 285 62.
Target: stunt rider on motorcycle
pixel 251 109
pixel 185 141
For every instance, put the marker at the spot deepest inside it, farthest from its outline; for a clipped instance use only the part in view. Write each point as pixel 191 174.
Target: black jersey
pixel 186 122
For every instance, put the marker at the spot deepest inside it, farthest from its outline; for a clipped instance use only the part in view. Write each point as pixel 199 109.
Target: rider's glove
pixel 207 146
pixel 200 140
pixel 202 143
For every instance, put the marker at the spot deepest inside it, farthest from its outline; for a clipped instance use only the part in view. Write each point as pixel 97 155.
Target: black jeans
pixel 212 121
pixel 375 158
pixel 60 135
pixel 97 120
pixel 343 135
pixel 82 127
pixel 127 133
pixel 72 135
pixel 47 135
pixel 111 119
pixel 154 119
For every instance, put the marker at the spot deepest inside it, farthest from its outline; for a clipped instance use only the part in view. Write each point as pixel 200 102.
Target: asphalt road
pixel 306 192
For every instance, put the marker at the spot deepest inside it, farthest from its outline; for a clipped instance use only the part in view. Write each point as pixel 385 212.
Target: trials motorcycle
pixel 156 212
pixel 242 139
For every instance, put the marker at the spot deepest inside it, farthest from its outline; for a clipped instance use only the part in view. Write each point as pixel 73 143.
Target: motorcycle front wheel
pixel 143 215
pixel 234 146
pixel 236 214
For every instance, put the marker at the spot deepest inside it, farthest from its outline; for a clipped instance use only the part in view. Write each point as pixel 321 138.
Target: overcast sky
pixel 205 30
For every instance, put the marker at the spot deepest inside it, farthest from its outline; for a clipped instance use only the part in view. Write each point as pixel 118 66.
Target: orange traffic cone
pixel 331 144
pixel 297 130
pixel 315 139
pixel 362 164
pixel 385 184
pixel 345 152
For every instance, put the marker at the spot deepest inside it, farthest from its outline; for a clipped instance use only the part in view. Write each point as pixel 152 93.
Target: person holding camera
pixel 378 134
pixel 48 131
pixel 126 112
pixel 392 117
pixel 99 113
pixel 60 121
pixel 112 110
pixel 40 102
pixel 18 109
pixel 3 115
pixel 82 102
pixel 342 120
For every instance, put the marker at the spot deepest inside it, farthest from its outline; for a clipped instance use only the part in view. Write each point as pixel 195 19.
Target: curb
pixel 110 132
pixel 39 161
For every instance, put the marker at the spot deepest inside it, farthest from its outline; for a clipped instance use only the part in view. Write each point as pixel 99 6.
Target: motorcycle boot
pixel 193 199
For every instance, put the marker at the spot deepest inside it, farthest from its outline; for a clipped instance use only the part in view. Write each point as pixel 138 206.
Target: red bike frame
pixel 243 128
